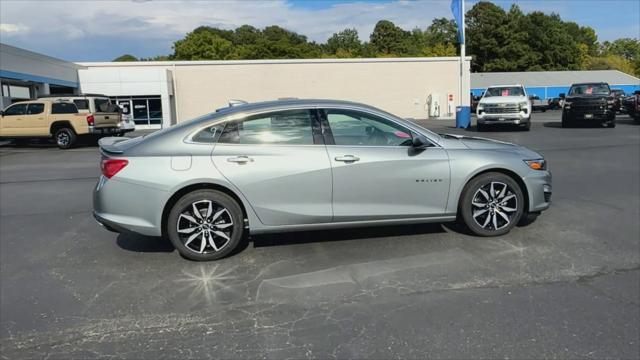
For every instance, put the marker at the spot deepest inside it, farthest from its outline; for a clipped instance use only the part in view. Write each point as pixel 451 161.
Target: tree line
pixel 497 39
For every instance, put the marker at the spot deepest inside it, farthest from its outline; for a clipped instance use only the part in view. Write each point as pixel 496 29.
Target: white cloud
pixel 172 19
pixel 13 29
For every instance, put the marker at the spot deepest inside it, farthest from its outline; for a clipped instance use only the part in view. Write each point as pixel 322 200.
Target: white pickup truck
pixel 504 104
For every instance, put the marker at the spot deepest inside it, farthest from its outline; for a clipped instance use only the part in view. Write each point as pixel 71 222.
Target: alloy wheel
pixel 494 206
pixel 205 227
pixel 63 138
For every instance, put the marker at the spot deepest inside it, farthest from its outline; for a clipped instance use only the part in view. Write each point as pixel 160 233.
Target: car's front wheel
pixel 491 204
pixel 205 225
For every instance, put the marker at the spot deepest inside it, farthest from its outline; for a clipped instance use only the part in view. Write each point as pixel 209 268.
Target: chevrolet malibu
pixel 291 165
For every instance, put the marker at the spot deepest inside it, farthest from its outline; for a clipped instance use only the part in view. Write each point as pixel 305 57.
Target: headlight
pixel 537 164
pixel 523 104
pixel 567 105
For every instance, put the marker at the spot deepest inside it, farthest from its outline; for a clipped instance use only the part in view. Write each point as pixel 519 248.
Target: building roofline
pixel 269 61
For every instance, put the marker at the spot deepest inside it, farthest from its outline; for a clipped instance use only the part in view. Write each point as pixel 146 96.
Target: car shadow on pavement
pixel 305 237
pixel 139 243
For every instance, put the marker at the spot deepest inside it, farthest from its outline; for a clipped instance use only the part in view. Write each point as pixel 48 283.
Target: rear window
pixel 82 104
pixel 102 105
pixel 64 108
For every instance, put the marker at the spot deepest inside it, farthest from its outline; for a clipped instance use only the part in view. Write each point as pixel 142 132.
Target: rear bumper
pixel 103 130
pixel 126 206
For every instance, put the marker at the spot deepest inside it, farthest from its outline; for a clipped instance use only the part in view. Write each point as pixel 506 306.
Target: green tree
pixel 345 42
pixel 485 33
pixel 203 45
pixel 125 57
pixel 389 39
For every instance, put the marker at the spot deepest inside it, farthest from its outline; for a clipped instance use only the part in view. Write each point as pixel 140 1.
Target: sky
pixel 103 30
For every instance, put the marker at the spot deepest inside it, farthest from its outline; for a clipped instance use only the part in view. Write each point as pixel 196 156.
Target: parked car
pixel 538 104
pixel 589 103
pixel 126 124
pixel 554 103
pixel 618 95
pixel 504 104
pixel 309 164
pixel 103 110
pixel 45 118
pixel 632 105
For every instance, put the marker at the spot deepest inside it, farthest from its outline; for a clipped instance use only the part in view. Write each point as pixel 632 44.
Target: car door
pixel 34 120
pixel 279 162
pixel 377 174
pixel 12 119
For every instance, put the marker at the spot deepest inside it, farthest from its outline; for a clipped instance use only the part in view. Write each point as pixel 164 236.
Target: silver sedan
pixel 292 165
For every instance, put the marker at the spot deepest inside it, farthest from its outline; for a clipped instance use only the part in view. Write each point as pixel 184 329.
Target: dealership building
pixel 159 94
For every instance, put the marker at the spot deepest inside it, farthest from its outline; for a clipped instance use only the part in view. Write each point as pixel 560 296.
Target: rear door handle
pixel 347 158
pixel 240 159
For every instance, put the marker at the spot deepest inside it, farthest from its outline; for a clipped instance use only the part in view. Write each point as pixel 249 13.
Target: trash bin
pixel 463 117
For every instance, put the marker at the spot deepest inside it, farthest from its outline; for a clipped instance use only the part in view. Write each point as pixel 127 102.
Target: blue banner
pixel 456 9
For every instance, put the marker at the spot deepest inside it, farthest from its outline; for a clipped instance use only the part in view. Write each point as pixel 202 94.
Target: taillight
pixel 90 120
pixel 110 167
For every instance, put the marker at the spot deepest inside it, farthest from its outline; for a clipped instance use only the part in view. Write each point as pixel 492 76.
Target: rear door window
pixel 18 109
pixel 63 108
pixel 81 104
pixel 35 108
pixel 289 127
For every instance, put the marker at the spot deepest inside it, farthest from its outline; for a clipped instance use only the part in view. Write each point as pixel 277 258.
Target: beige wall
pixel 400 86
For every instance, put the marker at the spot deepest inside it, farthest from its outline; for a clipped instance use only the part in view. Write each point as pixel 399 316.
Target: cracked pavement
pixel 565 286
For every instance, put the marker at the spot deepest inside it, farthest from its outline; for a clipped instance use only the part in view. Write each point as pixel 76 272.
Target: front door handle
pixel 240 159
pixel 347 158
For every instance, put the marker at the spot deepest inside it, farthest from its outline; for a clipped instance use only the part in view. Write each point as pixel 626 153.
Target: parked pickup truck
pixel 504 104
pixel 100 106
pixel 45 118
pixel 589 103
pixel 632 105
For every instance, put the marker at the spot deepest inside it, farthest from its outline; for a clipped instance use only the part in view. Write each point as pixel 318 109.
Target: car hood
pixel 502 99
pixel 479 143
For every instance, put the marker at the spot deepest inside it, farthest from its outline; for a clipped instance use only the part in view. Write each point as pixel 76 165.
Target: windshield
pixel 590 89
pixel 504 91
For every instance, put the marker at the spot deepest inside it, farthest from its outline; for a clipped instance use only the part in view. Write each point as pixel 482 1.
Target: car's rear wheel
pixel 491 204
pixel 205 225
pixel 65 138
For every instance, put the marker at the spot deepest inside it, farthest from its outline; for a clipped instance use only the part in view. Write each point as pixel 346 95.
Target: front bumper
pixel 588 115
pixel 509 118
pixel 539 189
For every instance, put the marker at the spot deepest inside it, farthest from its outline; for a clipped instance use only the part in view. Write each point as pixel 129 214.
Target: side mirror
pixel 562 95
pixel 420 142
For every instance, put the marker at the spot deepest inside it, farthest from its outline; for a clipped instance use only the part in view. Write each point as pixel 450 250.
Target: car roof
pixel 591 83
pixel 506 85
pixel 294 102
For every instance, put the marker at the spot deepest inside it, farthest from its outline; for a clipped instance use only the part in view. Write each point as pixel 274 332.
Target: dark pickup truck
pixel 632 105
pixel 589 103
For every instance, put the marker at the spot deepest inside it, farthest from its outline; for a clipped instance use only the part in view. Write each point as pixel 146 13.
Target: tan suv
pixel 45 118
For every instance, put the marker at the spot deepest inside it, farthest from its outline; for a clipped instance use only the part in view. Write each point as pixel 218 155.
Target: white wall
pixel 130 81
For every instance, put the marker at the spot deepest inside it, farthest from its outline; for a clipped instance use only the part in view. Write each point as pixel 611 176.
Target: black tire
pixel 481 127
pixel 65 138
pixel 473 193
pixel 527 126
pixel 565 123
pixel 612 124
pixel 219 201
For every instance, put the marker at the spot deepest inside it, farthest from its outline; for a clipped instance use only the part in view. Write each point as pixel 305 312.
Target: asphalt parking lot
pixel 565 286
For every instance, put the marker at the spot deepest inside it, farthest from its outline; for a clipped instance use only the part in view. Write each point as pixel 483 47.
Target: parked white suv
pixel 504 104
